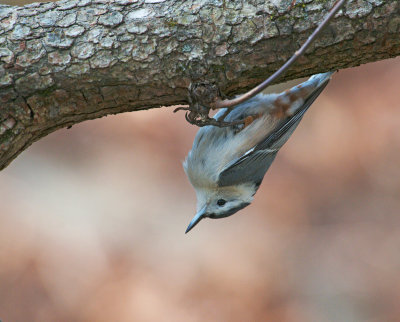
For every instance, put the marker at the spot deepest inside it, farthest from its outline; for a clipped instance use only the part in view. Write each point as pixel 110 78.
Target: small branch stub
pixel 202 98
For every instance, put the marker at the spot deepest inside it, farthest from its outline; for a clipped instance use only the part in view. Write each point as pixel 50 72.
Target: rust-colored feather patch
pixel 250 119
pixel 280 108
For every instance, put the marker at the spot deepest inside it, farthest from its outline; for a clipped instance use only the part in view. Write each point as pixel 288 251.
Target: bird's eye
pixel 221 202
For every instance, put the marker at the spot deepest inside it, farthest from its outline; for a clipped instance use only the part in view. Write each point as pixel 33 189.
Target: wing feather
pixel 252 166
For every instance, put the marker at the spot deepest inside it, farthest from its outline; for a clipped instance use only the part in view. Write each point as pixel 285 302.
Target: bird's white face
pixel 222 201
pixel 219 205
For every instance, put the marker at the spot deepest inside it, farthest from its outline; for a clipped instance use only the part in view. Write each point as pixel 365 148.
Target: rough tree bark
pixel 66 62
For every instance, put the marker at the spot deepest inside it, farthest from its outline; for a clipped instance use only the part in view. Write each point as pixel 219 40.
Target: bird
pixel 226 165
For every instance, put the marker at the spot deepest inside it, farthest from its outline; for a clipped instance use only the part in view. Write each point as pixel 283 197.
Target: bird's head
pixel 221 202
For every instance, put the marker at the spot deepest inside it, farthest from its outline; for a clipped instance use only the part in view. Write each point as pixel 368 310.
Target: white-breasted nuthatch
pixel 227 164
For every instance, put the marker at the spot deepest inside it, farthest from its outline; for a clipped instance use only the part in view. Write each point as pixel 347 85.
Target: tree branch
pixel 66 62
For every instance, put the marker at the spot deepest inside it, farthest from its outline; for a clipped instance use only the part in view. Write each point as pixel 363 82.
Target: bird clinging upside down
pixel 227 164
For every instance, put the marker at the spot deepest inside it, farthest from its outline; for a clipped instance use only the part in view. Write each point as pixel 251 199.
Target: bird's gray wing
pixel 252 166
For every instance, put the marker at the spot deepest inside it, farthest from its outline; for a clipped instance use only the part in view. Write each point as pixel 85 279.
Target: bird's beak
pixel 196 219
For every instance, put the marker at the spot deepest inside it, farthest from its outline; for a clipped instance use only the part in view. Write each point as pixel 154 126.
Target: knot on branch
pixel 202 98
pixel 204 94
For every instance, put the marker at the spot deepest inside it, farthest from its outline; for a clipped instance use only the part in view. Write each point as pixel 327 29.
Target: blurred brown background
pixel 93 218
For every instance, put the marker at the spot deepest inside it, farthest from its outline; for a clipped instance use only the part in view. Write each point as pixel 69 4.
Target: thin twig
pixel 280 71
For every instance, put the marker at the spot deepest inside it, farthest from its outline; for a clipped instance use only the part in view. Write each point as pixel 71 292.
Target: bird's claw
pixel 200 119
